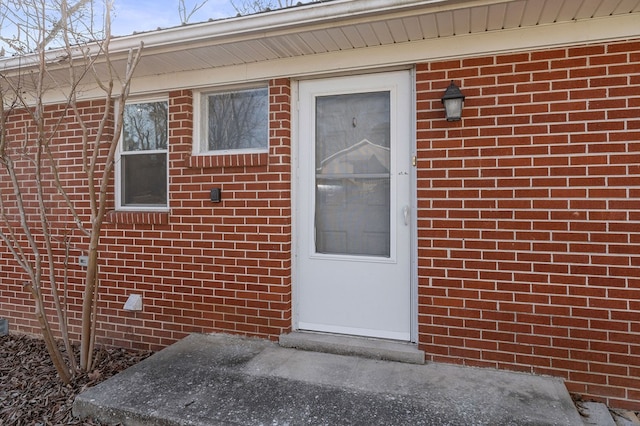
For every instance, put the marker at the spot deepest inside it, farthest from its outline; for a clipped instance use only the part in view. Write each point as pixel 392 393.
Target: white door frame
pixel 295 188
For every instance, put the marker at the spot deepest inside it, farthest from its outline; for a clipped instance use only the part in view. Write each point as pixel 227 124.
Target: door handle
pixel 405 213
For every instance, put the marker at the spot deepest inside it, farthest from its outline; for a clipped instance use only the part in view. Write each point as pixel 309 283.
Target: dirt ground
pixel 32 394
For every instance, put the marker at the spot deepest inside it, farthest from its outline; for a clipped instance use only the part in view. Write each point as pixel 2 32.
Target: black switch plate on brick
pixel 215 195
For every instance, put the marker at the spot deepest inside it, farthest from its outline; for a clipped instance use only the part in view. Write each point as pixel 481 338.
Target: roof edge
pixel 252 26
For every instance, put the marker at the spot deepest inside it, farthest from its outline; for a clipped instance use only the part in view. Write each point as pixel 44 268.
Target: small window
pixel 142 168
pixel 235 120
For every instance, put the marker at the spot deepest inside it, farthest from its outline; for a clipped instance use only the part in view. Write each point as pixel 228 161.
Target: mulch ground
pixel 32 394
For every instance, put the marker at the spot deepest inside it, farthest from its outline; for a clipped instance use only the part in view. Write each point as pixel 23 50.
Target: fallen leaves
pixel 32 394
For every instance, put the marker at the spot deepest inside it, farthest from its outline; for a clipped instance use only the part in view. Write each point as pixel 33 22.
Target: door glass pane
pixel 353 174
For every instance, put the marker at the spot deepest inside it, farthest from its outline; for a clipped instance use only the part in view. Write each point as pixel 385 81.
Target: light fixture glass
pixel 452 100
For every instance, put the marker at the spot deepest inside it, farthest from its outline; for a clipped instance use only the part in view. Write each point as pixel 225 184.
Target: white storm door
pixel 354 206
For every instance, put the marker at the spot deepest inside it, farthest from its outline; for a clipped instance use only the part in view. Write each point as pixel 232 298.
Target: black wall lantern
pixel 452 100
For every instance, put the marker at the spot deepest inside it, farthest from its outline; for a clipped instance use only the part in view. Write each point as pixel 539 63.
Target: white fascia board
pixel 617 27
pixel 573 33
pixel 278 22
pixel 610 28
pixel 286 21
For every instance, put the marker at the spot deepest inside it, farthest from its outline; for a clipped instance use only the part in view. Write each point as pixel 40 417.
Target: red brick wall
pixel 529 216
pixel 529 225
pixel 15 301
pixel 204 266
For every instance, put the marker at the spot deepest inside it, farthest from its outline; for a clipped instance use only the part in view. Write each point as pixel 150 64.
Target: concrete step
pixel 206 380
pixel 624 417
pixel 356 346
pixel 595 414
pixel 598 414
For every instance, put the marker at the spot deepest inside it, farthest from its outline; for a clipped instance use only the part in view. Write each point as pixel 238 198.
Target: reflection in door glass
pixel 353 174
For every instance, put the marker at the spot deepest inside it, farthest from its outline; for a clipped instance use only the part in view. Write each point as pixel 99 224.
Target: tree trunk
pixel 88 312
pixel 52 347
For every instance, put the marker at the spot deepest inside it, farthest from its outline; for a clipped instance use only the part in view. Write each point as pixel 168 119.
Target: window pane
pixel 353 192
pixel 238 120
pixel 352 216
pixel 145 179
pixel 145 126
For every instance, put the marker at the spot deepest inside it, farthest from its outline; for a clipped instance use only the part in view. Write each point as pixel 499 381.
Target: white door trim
pixel 296 188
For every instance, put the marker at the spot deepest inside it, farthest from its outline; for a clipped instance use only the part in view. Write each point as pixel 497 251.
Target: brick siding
pixel 528 239
pixel 203 266
pixel 529 216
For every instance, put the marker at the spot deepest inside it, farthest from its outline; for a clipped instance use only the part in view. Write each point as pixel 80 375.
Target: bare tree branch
pixel 63 22
pixel 33 190
pixel 247 7
pixel 185 15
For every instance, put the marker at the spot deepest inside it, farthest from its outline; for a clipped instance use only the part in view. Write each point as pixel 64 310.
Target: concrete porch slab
pixel 230 380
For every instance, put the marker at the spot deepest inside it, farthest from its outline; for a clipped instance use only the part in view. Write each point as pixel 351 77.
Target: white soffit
pixel 361 33
pixel 329 27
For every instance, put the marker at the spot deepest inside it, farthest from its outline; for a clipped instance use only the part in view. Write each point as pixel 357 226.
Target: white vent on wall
pixel 133 303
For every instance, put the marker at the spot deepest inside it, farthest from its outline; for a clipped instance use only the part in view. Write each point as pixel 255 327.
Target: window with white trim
pixel 232 121
pixel 142 167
